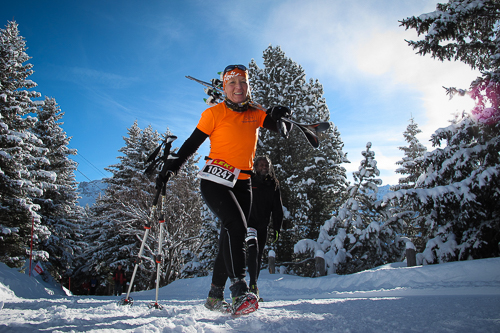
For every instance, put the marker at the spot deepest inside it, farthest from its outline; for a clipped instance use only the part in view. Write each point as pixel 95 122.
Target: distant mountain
pixel 89 191
pixel 383 190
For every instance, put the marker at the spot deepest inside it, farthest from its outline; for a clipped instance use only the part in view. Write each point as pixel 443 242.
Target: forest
pixel 446 205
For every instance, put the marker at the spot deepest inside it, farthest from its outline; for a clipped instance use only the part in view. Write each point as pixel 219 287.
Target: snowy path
pixel 453 297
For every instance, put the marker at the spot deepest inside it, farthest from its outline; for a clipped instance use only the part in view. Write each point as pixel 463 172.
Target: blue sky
pixel 109 63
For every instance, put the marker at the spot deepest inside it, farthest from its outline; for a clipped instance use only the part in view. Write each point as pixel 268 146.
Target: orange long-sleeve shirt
pixel 233 135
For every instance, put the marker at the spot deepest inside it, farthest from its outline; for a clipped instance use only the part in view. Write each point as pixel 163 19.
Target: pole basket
pixel 155 306
pixel 126 301
pixel 158 258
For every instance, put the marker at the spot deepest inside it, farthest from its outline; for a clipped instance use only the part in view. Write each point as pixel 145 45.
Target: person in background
pixel 119 279
pixel 86 288
pixel 266 203
pixel 93 285
pixel 233 128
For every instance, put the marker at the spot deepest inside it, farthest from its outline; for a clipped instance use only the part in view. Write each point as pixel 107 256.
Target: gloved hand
pixel 171 167
pixel 277 236
pixel 284 128
pixel 173 163
pixel 277 112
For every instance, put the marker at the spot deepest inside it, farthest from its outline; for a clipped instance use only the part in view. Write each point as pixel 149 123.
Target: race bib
pixel 220 172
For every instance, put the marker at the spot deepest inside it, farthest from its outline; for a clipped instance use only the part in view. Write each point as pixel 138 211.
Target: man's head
pixel 262 166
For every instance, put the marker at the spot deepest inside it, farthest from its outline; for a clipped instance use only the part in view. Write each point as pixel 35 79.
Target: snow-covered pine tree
pixel 312 180
pixel 359 236
pixel 411 166
pixel 202 261
pixel 458 193
pixel 411 163
pixel 19 149
pixel 183 219
pixel 119 216
pixel 59 207
pixel 116 226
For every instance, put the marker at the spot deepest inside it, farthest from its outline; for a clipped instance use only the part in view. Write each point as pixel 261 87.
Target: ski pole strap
pixel 247 172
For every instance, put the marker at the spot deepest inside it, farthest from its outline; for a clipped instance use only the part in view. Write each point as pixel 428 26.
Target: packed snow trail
pixel 452 297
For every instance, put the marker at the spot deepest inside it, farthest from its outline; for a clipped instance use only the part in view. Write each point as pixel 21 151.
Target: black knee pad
pixel 251 238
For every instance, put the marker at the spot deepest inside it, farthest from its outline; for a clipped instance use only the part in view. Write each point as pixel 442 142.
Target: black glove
pixel 173 163
pixel 171 167
pixel 277 112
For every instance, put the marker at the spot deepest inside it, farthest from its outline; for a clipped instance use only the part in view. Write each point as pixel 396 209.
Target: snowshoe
pixel 245 304
pixel 218 304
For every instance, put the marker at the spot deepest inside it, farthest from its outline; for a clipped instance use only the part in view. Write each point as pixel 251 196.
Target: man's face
pixel 262 168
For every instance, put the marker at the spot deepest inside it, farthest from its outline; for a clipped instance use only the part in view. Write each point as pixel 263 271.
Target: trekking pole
pixel 147 226
pixel 158 256
pixel 161 182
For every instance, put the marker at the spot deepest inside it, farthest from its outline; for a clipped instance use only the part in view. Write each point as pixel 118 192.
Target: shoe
pixel 215 300
pixel 244 302
pixel 218 304
pixel 254 290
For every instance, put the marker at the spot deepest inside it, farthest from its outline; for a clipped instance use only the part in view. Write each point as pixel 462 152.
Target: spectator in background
pixel 119 279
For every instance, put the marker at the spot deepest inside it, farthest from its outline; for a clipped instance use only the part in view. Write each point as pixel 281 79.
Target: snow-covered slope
pixel 451 297
pixel 14 284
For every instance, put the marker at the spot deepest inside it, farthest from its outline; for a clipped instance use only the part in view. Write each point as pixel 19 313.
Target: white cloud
pixel 348 46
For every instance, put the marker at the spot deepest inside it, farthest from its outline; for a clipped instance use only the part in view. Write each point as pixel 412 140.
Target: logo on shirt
pixel 250 117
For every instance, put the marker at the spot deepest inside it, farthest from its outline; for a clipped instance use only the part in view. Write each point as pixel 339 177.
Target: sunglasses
pixel 231 67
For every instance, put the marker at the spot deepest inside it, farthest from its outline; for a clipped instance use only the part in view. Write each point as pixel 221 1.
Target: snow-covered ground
pixel 451 297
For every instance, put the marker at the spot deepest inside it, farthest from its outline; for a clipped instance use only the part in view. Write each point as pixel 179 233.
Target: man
pixel 119 278
pixel 266 203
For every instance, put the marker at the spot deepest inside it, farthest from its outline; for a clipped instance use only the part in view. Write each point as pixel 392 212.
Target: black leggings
pixel 232 207
pixel 255 254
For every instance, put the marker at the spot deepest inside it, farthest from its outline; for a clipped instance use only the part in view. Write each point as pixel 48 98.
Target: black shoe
pixel 254 290
pixel 218 304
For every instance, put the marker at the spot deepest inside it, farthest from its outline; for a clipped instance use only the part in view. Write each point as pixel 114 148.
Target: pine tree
pixel 183 220
pixel 411 163
pixel 312 180
pixel 202 260
pixel 59 207
pixel 361 235
pixel 120 215
pixel 467 31
pixel 458 193
pixel 19 149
